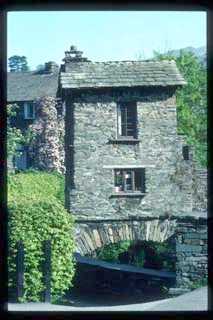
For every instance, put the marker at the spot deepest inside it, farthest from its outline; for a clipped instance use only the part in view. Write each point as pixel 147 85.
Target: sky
pixel 102 35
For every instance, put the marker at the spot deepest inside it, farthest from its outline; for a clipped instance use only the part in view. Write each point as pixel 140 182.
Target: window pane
pixel 29 111
pixel 30 108
pixel 127 119
pixel 119 179
pixel 140 180
pixel 128 180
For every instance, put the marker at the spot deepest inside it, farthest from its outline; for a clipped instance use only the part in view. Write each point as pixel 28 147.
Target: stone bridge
pixel 93 235
pixel 189 234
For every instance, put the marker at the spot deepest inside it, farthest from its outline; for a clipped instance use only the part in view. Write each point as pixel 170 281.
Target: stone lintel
pixel 127 194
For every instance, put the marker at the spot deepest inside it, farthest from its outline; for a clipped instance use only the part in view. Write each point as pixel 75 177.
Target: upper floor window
pixel 29 110
pixel 129 180
pixel 127 120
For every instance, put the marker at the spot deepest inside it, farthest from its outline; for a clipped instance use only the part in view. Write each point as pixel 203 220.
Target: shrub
pixel 111 252
pixel 147 254
pixel 33 218
pixel 34 184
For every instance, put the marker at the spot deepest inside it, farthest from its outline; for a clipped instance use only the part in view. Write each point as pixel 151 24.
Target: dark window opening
pixel 185 152
pixel 132 180
pixel 127 120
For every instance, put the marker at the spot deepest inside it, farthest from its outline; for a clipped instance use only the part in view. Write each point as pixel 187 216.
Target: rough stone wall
pixel 199 188
pixel 90 184
pixel 191 248
pixel 46 148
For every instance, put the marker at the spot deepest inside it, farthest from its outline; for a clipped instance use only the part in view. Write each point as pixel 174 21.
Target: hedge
pixel 33 218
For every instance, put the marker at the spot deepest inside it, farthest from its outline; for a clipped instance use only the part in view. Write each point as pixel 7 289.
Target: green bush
pixel 111 252
pixel 35 215
pixel 34 184
pixel 146 254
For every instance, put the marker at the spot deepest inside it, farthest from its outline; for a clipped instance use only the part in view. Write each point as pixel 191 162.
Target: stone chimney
pixel 74 55
pixel 51 67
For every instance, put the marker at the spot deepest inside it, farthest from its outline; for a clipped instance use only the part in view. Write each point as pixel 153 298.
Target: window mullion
pixel 124 180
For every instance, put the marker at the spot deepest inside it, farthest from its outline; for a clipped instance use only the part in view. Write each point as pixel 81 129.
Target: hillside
pixel 199 52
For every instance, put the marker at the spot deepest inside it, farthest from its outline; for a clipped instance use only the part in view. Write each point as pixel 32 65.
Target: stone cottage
pixel 129 175
pixel 123 153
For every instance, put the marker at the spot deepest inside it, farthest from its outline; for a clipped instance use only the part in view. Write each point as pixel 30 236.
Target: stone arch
pixel 90 236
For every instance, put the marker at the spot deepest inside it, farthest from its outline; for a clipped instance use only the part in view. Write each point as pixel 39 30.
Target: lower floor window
pixel 130 180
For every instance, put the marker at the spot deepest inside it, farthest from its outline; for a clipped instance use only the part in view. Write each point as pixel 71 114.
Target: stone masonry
pixel 191 251
pixel 93 151
pixel 96 153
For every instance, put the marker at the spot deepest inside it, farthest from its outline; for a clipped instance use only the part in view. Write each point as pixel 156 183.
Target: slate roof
pixel 26 86
pixel 121 74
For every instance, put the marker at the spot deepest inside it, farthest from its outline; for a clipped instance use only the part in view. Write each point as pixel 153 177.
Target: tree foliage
pixel 36 213
pixel 40 67
pixel 191 102
pixel 18 63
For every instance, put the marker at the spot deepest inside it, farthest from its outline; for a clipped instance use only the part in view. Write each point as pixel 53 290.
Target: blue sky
pixel 102 35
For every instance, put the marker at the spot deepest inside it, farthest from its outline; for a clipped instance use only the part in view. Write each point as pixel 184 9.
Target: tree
pixel 18 63
pixel 40 67
pixel 191 102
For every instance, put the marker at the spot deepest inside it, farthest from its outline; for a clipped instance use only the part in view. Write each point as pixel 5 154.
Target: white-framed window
pixel 29 110
pixel 127 120
pixel 129 180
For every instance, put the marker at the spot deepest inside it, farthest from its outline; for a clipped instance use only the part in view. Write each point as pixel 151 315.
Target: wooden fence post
pixel 47 271
pixel 20 270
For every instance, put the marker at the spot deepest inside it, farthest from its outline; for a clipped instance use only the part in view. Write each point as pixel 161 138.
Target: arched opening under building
pixel 129 270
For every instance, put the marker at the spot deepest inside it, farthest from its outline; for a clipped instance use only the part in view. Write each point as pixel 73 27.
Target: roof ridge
pixel 121 61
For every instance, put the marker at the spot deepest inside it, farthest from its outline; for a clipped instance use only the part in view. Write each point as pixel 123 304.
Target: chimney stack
pixel 74 55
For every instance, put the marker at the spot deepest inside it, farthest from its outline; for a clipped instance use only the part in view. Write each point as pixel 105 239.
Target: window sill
pixel 127 194
pixel 124 140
